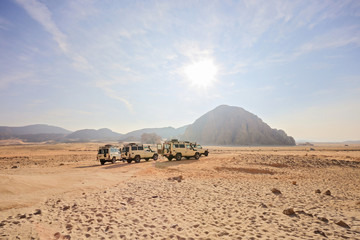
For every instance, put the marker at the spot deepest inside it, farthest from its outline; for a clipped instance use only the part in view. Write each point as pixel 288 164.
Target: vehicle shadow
pixel 106 166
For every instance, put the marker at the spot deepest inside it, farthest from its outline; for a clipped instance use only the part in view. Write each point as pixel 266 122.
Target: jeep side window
pixel 182 145
pixel 187 146
pixel 134 148
pixel 127 149
pixel 140 148
pixel 176 145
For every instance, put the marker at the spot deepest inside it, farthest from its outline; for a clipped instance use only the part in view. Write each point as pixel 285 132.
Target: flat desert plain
pixel 60 191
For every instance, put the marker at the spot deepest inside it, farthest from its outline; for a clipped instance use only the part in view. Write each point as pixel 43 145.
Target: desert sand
pixel 60 191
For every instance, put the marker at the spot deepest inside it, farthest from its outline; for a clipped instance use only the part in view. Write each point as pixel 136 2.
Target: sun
pixel 201 74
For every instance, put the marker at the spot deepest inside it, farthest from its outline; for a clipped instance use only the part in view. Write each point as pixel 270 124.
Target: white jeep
pixel 178 149
pixel 108 153
pixel 133 151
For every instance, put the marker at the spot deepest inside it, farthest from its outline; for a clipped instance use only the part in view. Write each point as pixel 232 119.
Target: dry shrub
pixel 245 170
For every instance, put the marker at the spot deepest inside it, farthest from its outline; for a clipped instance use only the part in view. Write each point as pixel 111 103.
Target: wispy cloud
pixel 15 78
pixel 4 24
pixel 334 39
pixel 40 13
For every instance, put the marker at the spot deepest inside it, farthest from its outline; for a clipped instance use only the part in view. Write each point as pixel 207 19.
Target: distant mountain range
pixel 225 125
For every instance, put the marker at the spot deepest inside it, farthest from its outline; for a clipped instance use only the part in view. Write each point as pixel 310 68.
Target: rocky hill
pixel 165 133
pixel 234 126
pixel 34 133
pixel 85 135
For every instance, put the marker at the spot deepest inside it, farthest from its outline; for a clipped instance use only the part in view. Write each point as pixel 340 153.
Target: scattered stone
pixel 37 212
pixel 22 216
pixel 65 208
pixel 323 219
pixel 61 164
pixel 328 193
pixel 67 237
pixel 289 212
pixel 174 226
pixel 16 222
pixel 275 191
pixel 69 227
pixel 57 235
pixel 178 179
pixel 320 232
pixel 262 205
pixel 155 196
pixel 342 224
pixel 293 182
pixel 317 191
pixel 87 235
pixel 13 167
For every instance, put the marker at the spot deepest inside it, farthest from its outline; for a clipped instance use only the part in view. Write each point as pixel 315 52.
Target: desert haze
pixel 61 191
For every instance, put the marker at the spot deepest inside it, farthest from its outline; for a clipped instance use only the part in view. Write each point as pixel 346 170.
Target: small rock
pixel 179 178
pixel 65 208
pixel 275 191
pixel 262 205
pixel 37 212
pixel 57 235
pixel 22 216
pixel 317 191
pixel 328 193
pixel 13 167
pixel 323 219
pixel 155 196
pixel 61 164
pixel 342 224
pixel 320 232
pixel 87 235
pixel 293 182
pixel 69 227
pixel 67 237
pixel 289 212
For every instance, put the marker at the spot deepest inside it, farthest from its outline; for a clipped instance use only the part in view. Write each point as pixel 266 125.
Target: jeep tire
pixel 129 160
pixel 113 160
pixel 197 156
pixel 178 156
pixel 137 158
pixel 155 157
pixel 102 162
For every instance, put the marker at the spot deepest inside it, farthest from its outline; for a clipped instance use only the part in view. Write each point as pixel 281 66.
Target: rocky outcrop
pixel 234 126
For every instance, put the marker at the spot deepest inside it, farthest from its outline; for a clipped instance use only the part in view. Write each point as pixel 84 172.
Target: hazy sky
pixel 127 65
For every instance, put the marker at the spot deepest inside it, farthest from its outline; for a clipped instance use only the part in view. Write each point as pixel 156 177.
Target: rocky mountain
pixel 85 135
pixel 34 133
pixel 234 126
pixel 165 133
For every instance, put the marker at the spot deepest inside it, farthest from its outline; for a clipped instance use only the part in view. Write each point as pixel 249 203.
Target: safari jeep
pixel 200 149
pixel 108 153
pixel 178 149
pixel 133 151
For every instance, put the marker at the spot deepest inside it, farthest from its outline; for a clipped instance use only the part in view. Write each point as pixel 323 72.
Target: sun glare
pixel 201 74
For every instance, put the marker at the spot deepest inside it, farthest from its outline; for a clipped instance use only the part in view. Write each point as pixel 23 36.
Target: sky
pixel 127 65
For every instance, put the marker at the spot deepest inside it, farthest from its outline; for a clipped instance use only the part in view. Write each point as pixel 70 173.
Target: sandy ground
pixel 61 192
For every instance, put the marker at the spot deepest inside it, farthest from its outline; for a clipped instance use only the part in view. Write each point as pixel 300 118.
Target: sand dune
pixel 61 192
